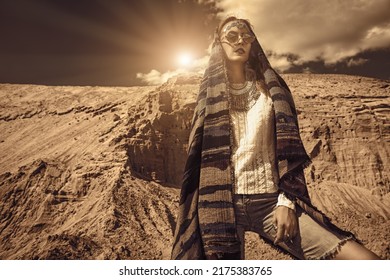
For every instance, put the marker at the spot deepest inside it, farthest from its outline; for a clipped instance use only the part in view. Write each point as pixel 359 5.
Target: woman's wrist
pixel 283 200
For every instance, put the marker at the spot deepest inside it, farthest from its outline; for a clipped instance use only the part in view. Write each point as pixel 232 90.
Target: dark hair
pixel 254 61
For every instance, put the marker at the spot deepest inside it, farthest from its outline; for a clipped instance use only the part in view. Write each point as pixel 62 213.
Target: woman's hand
pixel 286 224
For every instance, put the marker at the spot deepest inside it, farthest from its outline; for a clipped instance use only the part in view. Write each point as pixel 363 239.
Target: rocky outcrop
pixel 344 123
pixel 160 127
pixel 94 172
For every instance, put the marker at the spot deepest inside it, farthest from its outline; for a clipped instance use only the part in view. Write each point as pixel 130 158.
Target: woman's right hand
pixel 286 223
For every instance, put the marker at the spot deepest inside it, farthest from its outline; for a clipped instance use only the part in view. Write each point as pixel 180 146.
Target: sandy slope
pixel 93 172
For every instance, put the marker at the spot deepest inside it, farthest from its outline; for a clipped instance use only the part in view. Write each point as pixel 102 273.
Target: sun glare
pixel 185 59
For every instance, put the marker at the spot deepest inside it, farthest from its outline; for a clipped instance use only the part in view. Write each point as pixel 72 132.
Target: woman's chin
pixel 238 59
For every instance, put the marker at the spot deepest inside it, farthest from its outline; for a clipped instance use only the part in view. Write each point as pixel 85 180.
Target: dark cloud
pixel 370 63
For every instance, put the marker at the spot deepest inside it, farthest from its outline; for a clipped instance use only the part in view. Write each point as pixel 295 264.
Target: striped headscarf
pixel 205 227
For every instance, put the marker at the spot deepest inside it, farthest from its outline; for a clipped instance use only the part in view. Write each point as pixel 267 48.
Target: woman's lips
pixel 240 51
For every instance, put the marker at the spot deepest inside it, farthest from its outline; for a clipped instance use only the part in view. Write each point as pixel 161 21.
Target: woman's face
pixel 236 39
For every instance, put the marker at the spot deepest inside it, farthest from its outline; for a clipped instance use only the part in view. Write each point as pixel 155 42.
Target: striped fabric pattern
pixel 205 226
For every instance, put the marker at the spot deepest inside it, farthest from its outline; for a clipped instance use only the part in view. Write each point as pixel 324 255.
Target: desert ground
pixel 94 172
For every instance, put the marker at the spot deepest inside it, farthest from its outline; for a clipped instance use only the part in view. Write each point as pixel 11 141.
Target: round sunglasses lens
pixel 248 38
pixel 232 38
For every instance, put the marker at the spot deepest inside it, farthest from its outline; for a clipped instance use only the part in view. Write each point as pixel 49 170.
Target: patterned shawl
pixel 205 226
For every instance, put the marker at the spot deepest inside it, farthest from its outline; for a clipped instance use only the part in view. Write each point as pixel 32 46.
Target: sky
pixel 139 42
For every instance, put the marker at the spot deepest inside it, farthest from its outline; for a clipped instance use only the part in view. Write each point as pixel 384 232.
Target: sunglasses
pixel 233 37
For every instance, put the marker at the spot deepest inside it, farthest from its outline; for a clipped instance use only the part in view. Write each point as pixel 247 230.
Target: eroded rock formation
pixel 94 172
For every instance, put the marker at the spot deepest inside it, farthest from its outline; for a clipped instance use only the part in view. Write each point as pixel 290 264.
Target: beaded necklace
pixel 243 98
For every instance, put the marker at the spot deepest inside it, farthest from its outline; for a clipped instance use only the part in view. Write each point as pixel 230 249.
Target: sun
pixel 185 59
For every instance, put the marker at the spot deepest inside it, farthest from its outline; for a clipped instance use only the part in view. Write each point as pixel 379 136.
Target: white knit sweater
pixel 253 154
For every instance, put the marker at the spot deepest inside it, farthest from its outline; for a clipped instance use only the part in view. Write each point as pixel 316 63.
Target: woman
pixel 245 163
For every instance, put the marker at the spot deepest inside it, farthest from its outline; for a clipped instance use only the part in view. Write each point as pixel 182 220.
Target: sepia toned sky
pixel 130 42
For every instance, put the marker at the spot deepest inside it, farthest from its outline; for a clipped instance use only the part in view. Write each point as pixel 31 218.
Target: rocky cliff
pixel 94 172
